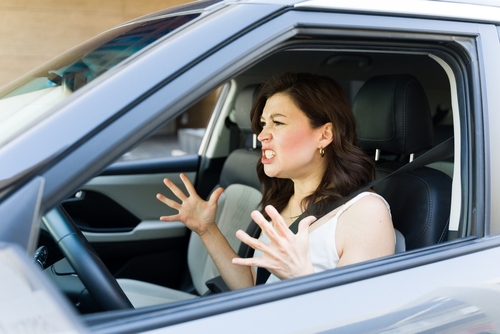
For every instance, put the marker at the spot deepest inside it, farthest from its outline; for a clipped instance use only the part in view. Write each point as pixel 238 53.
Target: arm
pixel 236 277
pixel 365 232
pixel 199 216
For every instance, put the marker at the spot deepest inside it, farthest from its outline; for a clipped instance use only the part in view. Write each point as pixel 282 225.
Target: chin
pixel 270 173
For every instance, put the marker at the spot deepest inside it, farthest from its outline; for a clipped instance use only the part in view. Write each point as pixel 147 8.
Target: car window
pixel 30 98
pixel 179 137
pixel 353 69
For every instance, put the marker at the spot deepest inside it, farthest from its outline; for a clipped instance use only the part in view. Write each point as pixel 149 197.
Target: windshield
pixel 31 98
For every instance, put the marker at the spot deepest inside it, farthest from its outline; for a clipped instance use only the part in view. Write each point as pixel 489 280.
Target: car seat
pixel 241 196
pixel 393 123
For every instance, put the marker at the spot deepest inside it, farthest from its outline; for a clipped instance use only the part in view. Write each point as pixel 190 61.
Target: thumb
pixel 215 195
pixel 305 223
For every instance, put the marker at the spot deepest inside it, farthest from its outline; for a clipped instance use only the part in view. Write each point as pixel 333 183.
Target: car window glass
pixel 32 97
pixel 179 137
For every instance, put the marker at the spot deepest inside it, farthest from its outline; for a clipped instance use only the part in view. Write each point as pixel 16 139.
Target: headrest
pixel 393 115
pixel 242 107
pixel 241 167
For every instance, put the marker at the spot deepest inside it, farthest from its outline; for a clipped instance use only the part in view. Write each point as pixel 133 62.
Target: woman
pixel 309 160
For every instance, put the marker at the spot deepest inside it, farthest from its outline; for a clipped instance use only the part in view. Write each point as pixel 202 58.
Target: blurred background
pixel 34 31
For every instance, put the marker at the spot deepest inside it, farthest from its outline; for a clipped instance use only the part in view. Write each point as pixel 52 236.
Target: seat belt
pixel 440 152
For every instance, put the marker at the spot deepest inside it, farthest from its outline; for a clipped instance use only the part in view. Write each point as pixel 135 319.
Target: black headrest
pixel 393 115
pixel 241 167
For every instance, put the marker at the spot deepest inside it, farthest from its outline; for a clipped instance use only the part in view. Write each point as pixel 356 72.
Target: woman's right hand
pixel 194 212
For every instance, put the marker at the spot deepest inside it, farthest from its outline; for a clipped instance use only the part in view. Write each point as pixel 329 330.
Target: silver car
pixel 86 139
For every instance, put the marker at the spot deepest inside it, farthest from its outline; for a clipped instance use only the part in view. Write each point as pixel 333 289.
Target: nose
pixel 264 135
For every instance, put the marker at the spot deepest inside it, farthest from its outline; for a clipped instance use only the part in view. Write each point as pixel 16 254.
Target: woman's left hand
pixel 287 255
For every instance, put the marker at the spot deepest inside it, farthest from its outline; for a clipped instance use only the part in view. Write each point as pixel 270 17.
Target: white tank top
pixel 322 244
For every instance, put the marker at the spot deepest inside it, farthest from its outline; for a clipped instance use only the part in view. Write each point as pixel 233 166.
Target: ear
pixel 326 135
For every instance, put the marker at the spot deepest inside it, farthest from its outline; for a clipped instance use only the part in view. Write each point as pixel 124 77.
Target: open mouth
pixel 269 154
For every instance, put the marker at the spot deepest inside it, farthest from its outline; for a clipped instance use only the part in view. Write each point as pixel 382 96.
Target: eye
pixel 262 124
pixel 278 123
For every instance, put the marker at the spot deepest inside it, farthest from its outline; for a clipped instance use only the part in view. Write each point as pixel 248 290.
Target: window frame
pixel 249 48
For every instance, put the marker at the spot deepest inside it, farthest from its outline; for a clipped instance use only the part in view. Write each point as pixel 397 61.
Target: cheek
pixel 299 140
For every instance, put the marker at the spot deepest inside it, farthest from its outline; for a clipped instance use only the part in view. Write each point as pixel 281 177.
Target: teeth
pixel 269 154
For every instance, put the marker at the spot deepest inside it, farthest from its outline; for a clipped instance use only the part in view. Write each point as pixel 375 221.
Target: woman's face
pixel 290 146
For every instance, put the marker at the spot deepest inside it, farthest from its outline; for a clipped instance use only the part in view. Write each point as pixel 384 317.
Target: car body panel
pixel 388 294
pixel 328 308
pixel 414 8
pixel 490 116
pixel 20 215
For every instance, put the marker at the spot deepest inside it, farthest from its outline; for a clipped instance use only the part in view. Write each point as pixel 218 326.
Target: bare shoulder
pixel 365 231
pixel 370 204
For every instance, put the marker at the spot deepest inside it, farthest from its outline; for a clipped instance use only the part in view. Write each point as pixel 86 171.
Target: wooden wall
pixel 34 31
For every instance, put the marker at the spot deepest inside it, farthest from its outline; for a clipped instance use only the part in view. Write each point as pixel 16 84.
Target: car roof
pixel 494 3
pixel 476 11
pixel 464 10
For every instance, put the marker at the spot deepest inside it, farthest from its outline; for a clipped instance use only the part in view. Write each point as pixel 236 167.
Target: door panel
pixel 119 215
pixel 137 193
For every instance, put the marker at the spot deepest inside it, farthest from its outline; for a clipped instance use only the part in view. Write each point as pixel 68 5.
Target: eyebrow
pixel 273 116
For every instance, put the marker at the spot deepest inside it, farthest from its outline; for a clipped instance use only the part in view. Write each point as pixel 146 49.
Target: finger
pixel 173 218
pixel 267 228
pixel 305 223
pixel 279 222
pixel 252 242
pixel 171 203
pixel 189 186
pixel 174 189
pixel 250 262
pixel 264 225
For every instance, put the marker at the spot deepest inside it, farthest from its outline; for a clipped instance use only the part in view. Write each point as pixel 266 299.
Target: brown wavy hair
pixel 348 167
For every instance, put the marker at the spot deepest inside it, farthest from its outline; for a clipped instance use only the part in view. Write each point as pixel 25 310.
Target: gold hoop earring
pixel 322 152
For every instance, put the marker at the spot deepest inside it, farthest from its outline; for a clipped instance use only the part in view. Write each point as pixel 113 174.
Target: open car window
pixel 352 69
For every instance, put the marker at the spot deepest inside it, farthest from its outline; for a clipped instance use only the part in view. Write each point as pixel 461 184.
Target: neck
pixel 301 191
pixel 293 210
pixel 304 188
pixel 307 182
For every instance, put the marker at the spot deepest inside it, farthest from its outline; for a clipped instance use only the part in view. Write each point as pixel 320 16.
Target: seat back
pixel 394 119
pixel 241 196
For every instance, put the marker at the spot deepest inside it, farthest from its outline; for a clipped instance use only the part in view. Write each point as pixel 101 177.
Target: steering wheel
pixel 101 285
